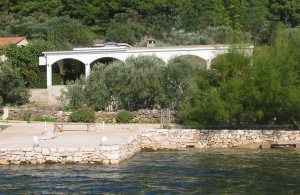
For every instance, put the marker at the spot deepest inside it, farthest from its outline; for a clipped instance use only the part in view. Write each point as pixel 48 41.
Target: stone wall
pixel 151 139
pixel 140 116
pixel 104 154
pixel 47 96
pixel 174 139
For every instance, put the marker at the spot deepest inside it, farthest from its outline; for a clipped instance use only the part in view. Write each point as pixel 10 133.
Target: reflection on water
pixel 193 172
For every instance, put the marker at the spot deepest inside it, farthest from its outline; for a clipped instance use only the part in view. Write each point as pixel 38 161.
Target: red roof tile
pixel 10 40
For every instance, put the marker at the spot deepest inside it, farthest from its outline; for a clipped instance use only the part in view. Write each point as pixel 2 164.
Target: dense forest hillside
pixel 206 21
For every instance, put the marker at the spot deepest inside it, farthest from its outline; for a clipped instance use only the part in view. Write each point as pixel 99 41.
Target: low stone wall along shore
pixel 140 116
pixel 151 139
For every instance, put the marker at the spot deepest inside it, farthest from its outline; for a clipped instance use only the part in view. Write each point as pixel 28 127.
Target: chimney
pixel 151 43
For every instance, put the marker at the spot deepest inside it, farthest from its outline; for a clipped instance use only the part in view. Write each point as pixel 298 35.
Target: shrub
pixel 83 114
pixel 124 116
pixel 26 116
pixel 12 86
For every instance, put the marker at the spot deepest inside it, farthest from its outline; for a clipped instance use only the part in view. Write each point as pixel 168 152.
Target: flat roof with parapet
pixel 125 47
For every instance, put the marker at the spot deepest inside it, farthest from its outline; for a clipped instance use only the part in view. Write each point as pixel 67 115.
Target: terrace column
pixel 208 63
pixel 87 70
pixel 49 75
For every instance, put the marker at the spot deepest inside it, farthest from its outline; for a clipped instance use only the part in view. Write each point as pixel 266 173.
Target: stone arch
pixel 226 57
pixel 103 60
pixel 231 64
pixel 193 58
pixel 69 69
pixel 146 57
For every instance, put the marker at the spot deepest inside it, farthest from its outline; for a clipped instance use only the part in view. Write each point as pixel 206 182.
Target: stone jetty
pixel 121 142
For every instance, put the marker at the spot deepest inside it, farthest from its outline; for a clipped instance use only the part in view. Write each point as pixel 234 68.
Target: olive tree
pixel 12 86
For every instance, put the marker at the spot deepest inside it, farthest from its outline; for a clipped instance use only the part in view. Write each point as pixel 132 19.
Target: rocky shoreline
pixel 148 140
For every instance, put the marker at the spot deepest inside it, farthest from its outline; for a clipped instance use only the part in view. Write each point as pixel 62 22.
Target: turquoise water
pixel 193 172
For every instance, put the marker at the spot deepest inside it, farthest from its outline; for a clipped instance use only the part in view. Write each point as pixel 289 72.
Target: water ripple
pixel 193 172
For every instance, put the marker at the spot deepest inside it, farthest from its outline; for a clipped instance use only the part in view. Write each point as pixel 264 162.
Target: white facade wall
pixel 89 55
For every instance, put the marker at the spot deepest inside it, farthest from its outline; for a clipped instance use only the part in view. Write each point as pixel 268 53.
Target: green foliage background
pixel 127 21
pixel 245 92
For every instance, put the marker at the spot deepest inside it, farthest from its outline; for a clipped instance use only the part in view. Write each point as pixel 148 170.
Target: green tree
pixel 75 94
pixel 62 30
pixel 180 73
pixel 26 59
pixel 146 83
pixel 285 11
pixel 204 107
pixel 242 94
pixel 96 91
pixel 254 13
pixel 12 86
pixel 120 33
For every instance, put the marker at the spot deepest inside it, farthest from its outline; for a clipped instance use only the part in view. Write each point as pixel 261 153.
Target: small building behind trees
pixel 5 41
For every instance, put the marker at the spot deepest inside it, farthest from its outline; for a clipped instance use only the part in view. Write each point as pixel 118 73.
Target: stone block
pixel 114 161
pixel 40 161
pixel 78 154
pixel 33 162
pixel 71 149
pixel 4 162
pixel 38 149
pixel 252 146
pixel 69 159
pixel 45 151
pixel 241 132
pixel 17 152
pixel 65 154
pixel 77 159
pixel 297 147
pixel 286 139
pixel 87 149
pixel 247 141
pixel 29 154
pixel 292 137
pixel 28 158
pixel 26 149
pixel 268 132
pixel 105 162
pixel 61 149
pixel 243 138
pixel 49 158
pixel 266 146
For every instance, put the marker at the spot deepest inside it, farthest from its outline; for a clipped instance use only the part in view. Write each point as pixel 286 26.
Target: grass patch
pixel 45 119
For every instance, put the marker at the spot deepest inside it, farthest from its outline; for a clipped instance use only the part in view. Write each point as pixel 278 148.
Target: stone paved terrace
pixel 19 135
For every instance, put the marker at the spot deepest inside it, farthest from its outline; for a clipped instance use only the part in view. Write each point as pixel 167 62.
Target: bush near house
pixel 124 117
pixel 83 114
pixel 12 86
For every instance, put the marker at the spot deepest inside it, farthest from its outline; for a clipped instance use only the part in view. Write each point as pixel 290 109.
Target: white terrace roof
pixel 144 49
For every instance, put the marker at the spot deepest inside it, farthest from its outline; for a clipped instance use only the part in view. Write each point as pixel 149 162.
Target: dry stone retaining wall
pixel 174 139
pixel 153 138
pixel 140 116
